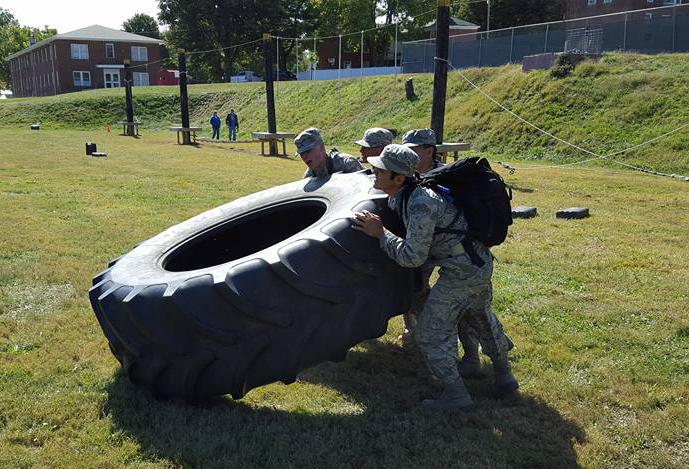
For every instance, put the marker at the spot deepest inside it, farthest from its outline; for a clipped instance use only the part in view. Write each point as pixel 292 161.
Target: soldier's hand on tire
pixel 368 223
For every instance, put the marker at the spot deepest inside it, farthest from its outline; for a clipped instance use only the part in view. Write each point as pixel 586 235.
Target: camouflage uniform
pixel 337 162
pixel 463 290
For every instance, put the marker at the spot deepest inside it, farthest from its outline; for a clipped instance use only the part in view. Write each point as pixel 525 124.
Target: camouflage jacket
pixel 426 212
pixel 337 162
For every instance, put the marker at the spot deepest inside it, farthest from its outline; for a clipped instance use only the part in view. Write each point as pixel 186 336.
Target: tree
pixel 13 38
pixel 142 24
pixel 508 13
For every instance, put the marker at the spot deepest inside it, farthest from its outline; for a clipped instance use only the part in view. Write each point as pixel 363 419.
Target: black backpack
pixel 481 195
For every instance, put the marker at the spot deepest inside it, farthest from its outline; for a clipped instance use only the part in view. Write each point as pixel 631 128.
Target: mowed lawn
pixel 598 310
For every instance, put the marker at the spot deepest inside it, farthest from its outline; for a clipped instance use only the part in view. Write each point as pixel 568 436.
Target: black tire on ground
pixel 251 292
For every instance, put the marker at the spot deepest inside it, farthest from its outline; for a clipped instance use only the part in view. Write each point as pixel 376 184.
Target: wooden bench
pixel 264 137
pixel 129 125
pixel 445 148
pixel 191 131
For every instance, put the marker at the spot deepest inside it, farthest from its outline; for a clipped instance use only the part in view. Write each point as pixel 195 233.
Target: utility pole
pixel 270 92
pixel 488 19
pixel 128 98
pixel 442 39
pixel 184 97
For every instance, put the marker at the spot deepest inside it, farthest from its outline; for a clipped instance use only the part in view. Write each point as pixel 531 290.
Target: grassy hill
pixel 604 106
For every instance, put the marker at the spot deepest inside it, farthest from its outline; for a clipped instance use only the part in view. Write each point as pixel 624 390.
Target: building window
pixel 82 78
pixel 139 54
pixel 80 51
pixel 110 51
pixel 140 79
pixel 592 2
pixel 607 2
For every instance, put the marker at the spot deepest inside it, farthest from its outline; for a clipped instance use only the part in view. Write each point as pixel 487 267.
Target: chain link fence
pixel 650 31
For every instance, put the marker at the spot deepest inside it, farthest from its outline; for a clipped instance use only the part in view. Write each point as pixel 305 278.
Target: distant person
pixel 311 149
pixel 375 139
pixel 232 122
pixel 215 125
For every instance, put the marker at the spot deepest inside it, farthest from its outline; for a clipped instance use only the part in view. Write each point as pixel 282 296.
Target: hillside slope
pixel 604 106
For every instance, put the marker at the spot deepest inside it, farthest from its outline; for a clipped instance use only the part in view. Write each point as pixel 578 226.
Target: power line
pixel 595 156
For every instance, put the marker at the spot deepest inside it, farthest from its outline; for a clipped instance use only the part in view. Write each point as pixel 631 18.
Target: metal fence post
pixel 674 28
pixel 361 64
pixel 547 30
pixel 511 45
pixel 315 56
pixel 624 37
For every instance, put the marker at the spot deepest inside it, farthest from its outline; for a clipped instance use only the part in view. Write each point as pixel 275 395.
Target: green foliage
pixel 142 24
pixel 563 66
pixel 507 13
pixel 13 38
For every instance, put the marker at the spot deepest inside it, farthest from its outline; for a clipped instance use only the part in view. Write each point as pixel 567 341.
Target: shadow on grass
pixel 383 429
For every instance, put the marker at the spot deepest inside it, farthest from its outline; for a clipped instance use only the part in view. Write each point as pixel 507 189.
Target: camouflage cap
pixel 397 158
pixel 308 139
pixel 375 137
pixel 417 137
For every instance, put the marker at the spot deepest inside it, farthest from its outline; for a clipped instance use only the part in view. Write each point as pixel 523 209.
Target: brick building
pixel 87 58
pixel 583 8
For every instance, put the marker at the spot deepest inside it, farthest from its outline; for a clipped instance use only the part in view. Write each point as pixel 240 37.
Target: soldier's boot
pixel 505 382
pixel 470 365
pixel 454 397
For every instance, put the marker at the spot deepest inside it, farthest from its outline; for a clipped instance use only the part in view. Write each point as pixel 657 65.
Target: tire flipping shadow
pixel 378 377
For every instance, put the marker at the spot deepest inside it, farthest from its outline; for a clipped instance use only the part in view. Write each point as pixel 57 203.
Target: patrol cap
pixel 398 158
pixel 375 137
pixel 418 137
pixel 308 139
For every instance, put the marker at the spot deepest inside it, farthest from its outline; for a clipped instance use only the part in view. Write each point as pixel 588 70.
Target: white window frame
pixel 138 79
pixel 138 56
pixel 79 51
pixel 111 47
pixel 81 82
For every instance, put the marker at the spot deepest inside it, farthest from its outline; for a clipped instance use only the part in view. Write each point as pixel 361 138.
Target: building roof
pixel 457 23
pixel 91 33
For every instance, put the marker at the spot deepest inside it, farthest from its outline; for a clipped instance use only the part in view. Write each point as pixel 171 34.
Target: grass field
pixel 605 106
pixel 597 309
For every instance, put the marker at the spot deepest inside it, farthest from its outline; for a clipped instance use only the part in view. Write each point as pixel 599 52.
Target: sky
pixel 68 15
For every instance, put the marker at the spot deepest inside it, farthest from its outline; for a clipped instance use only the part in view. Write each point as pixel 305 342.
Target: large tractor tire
pixel 252 292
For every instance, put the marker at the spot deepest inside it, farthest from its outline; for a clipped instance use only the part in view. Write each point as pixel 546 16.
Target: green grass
pixel 605 106
pixel 597 308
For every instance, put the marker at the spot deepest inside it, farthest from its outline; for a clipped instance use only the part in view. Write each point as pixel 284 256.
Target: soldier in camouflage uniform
pixel 375 139
pixel 423 142
pixel 311 149
pixel 463 290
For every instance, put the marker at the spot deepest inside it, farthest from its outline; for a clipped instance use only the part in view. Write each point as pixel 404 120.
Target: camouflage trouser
pixel 468 336
pixel 452 299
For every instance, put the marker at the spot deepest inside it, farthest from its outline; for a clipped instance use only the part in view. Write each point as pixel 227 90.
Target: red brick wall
pixel 47 70
pixel 581 8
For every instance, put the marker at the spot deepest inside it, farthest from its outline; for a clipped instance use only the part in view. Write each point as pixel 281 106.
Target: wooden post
pixel 442 38
pixel 128 97
pixel 184 97
pixel 270 92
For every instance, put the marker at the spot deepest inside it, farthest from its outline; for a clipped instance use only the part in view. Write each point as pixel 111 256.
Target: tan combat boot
pixel 454 397
pixel 505 382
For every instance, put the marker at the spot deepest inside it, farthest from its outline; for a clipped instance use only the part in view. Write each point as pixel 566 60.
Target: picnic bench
pixel 269 137
pixel 129 125
pixel 191 131
pixel 446 148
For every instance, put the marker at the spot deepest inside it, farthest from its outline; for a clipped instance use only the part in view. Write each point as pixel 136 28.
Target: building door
pixel 112 78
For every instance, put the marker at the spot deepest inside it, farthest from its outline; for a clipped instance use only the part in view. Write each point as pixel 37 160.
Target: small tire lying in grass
pixel 251 292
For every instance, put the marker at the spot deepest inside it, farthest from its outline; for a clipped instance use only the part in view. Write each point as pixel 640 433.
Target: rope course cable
pixel 595 156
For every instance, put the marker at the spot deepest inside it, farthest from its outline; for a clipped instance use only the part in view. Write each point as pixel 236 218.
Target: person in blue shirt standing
pixel 232 122
pixel 215 124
